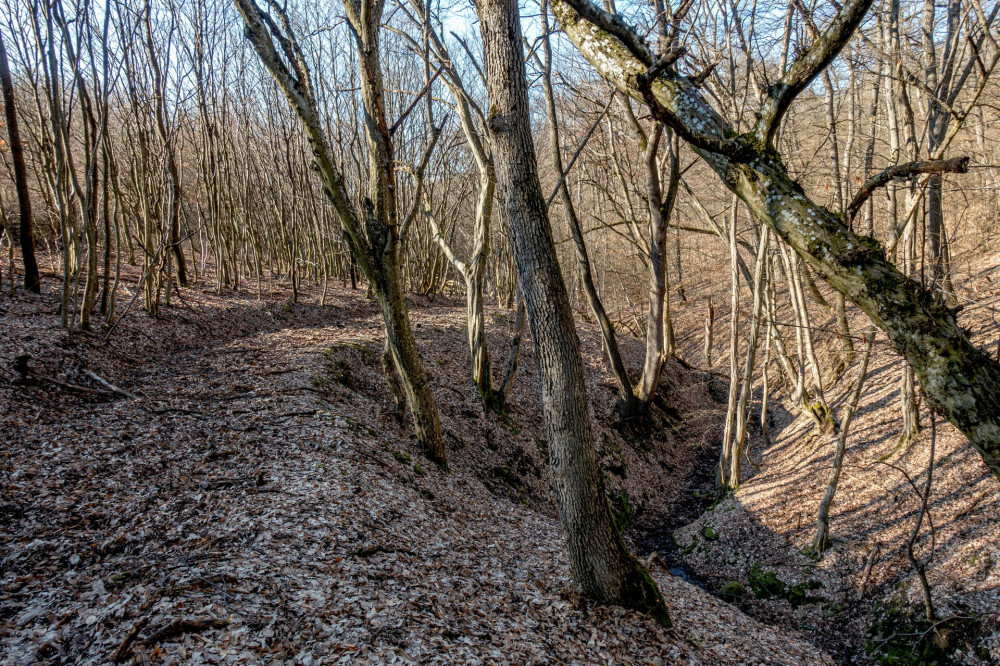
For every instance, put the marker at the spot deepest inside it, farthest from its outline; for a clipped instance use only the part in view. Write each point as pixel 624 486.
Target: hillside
pixel 257 488
pixel 866 574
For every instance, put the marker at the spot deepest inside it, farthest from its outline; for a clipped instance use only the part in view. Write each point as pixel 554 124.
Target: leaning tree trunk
pixel 373 233
pixel 959 380
pixel 27 238
pixel 600 562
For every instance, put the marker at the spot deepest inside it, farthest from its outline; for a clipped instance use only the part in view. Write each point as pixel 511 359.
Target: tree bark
pixel 27 239
pixel 600 562
pixel 959 380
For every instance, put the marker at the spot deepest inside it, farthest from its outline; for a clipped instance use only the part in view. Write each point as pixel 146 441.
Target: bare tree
pixel 26 236
pixel 600 562
pixel 373 231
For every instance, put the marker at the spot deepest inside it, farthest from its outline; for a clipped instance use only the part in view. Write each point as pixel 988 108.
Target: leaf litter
pixel 257 501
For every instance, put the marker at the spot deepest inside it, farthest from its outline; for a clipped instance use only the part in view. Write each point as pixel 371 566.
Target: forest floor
pixel 864 592
pixel 256 501
pixel 244 495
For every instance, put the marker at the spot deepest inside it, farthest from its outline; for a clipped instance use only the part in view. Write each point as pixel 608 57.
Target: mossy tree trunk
pixel 960 381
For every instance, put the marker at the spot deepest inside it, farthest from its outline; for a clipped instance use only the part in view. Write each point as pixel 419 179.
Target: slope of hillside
pixel 254 500
pixel 866 574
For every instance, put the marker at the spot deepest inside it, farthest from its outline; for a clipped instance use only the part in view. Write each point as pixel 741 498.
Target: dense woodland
pixel 651 332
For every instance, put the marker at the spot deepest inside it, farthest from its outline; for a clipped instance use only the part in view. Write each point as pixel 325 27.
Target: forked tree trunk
pixel 373 233
pixel 599 559
pixel 473 272
pixel 659 342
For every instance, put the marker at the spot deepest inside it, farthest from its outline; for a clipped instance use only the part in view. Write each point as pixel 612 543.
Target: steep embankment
pixel 257 485
pixel 863 593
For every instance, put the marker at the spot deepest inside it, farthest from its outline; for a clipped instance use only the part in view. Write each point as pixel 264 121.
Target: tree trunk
pixel 173 171
pixel 959 380
pixel 843 327
pixel 376 243
pixel 742 405
pixel 27 239
pixel 627 403
pixel 659 343
pixel 709 328
pixel 725 454
pixel 822 540
pixel 600 562
pixel 515 348
pixel 473 272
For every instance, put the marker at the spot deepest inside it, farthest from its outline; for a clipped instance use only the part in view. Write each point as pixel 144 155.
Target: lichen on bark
pixel 960 381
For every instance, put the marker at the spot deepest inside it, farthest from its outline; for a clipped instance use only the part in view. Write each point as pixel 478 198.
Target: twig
pixel 125 647
pixel 416 99
pixel 655 557
pixel 180 626
pixel 374 550
pixel 583 144
pixel 258 478
pixel 74 387
pixel 869 563
pixel 108 385
pixel 288 415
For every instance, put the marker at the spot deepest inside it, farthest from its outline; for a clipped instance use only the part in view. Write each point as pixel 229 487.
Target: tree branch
pixel 613 24
pixel 904 172
pixel 808 65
